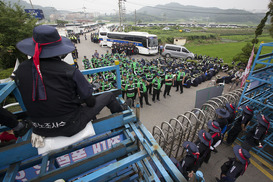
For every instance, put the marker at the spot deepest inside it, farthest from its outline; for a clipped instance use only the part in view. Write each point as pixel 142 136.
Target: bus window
pixel 153 42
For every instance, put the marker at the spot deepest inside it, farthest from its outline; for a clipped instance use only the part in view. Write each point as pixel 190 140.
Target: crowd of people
pixel 53 101
pixel 229 124
pixel 143 78
pixel 128 49
pixel 75 38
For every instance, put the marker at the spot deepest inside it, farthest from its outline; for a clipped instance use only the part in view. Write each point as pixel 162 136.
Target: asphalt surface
pixel 171 107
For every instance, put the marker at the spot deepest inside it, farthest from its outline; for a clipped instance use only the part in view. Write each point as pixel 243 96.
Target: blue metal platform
pixel 258 92
pixel 122 150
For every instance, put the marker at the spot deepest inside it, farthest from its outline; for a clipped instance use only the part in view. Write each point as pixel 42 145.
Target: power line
pixel 188 11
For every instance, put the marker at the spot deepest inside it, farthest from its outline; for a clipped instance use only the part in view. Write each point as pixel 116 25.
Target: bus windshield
pixel 153 42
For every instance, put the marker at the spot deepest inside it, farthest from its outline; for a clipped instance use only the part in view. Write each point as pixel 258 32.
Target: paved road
pixel 171 107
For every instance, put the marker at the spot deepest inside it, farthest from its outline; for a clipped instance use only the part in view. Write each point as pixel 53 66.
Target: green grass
pixel 226 51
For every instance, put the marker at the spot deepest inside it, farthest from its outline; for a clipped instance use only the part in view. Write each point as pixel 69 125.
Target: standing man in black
pixel 240 124
pixel 203 144
pixel 235 167
pixel 232 114
pixel 215 131
pixel 222 115
pixel 189 164
pixel 255 136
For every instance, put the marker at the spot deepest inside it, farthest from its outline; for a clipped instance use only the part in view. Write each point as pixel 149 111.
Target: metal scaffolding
pixel 122 149
pixel 258 92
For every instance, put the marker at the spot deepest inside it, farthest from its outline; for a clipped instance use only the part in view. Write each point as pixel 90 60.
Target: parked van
pixel 177 51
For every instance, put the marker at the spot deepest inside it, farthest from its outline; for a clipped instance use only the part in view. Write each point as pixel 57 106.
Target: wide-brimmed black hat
pixel 49 39
pixel 264 120
pixel 193 149
pixel 222 112
pixel 241 154
pixel 248 109
pixel 230 107
pixel 214 126
pixel 205 137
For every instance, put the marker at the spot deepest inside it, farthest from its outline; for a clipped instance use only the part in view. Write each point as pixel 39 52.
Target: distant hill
pixel 179 12
pixel 47 10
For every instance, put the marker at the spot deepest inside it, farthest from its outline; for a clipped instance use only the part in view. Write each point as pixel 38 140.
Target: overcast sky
pixel 110 6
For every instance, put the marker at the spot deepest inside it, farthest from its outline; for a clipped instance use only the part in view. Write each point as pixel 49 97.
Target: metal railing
pixel 171 135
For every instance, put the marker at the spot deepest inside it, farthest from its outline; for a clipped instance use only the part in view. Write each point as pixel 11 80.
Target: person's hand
pixel 91 80
pixel 223 175
pixel 190 175
pixel 138 95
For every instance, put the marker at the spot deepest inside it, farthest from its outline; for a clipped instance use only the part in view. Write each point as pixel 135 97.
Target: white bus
pixel 103 36
pixel 145 43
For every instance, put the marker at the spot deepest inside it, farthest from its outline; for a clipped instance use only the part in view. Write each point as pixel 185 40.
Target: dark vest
pixel 62 102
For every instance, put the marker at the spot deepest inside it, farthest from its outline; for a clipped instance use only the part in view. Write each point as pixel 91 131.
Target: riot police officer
pixel 130 89
pixel 168 83
pixel 156 87
pixel 180 78
pixel 142 91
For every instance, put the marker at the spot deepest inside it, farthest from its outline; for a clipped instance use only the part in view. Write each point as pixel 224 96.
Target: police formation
pixel 143 78
pixel 94 37
pixel 124 48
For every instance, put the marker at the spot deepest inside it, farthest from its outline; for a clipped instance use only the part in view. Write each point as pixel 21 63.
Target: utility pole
pixel 135 17
pixel 84 11
pixel 121 7
pixel 31 4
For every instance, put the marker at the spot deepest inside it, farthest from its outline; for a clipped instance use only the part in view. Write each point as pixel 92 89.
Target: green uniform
pixel 168 76
pixel 180 75
pixel 156 83
pixel 131 90
pixel 142 86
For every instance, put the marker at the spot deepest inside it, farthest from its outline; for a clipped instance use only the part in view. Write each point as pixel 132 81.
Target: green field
pixel 226 50
pixel 213 42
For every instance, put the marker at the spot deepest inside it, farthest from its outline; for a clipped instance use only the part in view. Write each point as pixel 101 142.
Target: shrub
pixel 6 73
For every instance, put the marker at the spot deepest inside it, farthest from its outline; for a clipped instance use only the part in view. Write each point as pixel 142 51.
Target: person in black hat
pixel 203 144
pixel 142 91
pixel 232 114
pixel 222 115
pixel 215 131
pixel 189 165
pixel 156 87
pixel 257 134
pixel 235 167
pixel 51 89
pixel 240 124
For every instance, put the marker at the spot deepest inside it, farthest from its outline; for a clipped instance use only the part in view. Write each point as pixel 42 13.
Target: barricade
pixel 185 127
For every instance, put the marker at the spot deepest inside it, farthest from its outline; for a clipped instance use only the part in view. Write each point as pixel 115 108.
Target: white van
pixel 176 51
